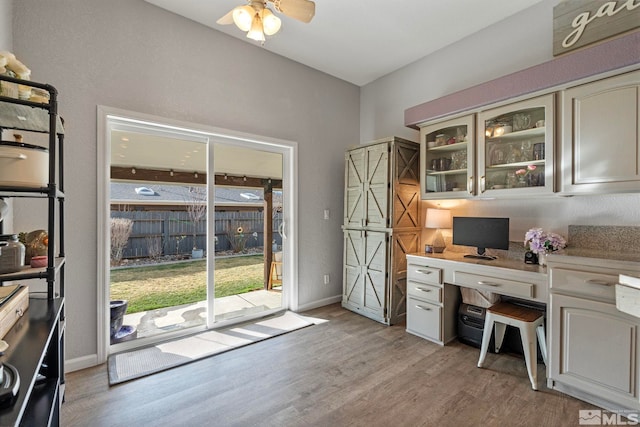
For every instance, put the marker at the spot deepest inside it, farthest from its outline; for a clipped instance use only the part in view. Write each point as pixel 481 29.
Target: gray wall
pixel 6 35
pixel 514 44
pixel 129 54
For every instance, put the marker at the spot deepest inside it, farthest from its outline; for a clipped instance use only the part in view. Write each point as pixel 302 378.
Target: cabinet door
pixel 594 348
pixel 447 152
pixel 515 148
pixel 406 185
pixel 375 274
pixel 377 186
pixel 354 178
pixel 600 143
pixel 353 278
pixel 402 244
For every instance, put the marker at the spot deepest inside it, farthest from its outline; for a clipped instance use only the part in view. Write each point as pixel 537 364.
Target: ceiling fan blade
pixel 302 10
pixel 226 19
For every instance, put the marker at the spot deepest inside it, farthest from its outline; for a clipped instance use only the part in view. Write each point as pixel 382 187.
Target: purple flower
pixel 538 241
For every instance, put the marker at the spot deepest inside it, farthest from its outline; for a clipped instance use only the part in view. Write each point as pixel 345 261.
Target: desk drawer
pixel 424 274
pixel 423 319
pixel 585 283
pixel 425 292
pixel 494 284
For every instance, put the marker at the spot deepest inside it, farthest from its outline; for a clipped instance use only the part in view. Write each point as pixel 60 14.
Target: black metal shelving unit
pixel 36 341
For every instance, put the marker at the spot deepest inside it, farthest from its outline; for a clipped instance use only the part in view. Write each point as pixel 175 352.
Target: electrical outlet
pixel 326 279
pixel 326 214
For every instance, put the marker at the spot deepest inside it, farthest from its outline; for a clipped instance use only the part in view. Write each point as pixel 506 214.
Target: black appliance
pixel 471 327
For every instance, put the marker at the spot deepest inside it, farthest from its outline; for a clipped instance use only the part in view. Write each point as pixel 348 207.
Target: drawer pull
pixel 422 307
pixel 423 289
pixel 483 283
pixel 424 271
pixel 599 282
pixel 20 312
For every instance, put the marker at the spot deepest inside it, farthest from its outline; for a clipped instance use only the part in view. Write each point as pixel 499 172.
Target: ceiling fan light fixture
pixel 255 33
pixel 270 22
pixel 243 17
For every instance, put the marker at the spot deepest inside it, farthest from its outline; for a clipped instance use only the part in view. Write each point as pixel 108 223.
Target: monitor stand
pixel 481 254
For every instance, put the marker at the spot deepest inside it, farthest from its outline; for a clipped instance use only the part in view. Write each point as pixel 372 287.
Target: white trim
pixel 319 303
pixel 109 117
pixel 79 363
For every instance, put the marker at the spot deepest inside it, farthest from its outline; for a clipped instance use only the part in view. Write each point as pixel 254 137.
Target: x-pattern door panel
pixel 354 188
pixel 353 259
pixel 406 200
pixel 377 186
pixel 375 268
pixel 403 243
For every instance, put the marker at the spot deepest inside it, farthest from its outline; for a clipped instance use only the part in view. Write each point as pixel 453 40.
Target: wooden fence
pixel 172 232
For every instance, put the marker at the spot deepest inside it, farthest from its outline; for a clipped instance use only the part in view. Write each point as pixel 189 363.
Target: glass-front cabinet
pixel 515 148
pixel 447 151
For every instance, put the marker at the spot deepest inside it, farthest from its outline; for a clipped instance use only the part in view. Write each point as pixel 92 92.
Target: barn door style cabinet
pixel 381 225
pixel 600 136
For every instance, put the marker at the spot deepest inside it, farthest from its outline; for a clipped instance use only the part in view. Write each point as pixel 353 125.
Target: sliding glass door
pixel 196 230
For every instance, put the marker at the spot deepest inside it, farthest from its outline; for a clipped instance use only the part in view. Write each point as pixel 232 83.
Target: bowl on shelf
pixel 38 261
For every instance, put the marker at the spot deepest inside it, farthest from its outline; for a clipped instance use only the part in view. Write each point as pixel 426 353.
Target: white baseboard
pixel 319 303
pixel 81 363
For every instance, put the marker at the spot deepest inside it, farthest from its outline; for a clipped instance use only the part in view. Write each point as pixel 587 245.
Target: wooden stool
pixel 529 322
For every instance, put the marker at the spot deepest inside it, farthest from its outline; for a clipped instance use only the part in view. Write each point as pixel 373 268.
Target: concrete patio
pixel 154 322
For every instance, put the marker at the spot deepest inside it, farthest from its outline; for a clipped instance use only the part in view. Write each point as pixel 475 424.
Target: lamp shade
pixel 438 218
pixel 270 22
pixel 243 17
pixel 255 33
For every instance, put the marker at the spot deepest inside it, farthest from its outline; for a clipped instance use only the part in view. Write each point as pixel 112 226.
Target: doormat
pixel 138 363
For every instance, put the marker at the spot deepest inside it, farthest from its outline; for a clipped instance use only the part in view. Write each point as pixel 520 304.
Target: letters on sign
pixel 578 22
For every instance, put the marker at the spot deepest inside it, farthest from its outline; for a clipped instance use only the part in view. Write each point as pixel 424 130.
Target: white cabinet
pixel 593 347
pixel 600 136
pixel 515 148
pixel 381 225
pixel 510 152
pixel 431 304
pixel 447 156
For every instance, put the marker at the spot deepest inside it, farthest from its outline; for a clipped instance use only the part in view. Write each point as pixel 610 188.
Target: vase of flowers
pixel 526 178
pixel 541 242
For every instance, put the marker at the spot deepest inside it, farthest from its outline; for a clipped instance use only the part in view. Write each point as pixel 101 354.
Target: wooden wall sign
pixel 577 23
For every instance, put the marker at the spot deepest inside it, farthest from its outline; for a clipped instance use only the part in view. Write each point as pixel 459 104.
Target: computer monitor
pixel 482 233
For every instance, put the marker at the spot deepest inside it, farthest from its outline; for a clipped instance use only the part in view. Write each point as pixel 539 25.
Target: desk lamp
pixel 438 219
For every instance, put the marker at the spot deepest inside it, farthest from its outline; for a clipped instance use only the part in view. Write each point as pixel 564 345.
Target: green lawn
pixel 168 285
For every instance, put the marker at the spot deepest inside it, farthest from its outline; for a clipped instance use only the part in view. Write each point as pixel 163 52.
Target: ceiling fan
pixel 257 19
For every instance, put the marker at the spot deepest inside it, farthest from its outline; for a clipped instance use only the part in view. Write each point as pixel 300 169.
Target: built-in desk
pixel 433 295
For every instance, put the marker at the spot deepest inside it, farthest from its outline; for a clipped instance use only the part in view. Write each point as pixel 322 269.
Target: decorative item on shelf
pixel 36 243
pixel 441 139
pixel 461 134
pixel 11 253
pixel 540 242
pixel 538 151
pixel 521 121
pixel 438 219
pixel 524 177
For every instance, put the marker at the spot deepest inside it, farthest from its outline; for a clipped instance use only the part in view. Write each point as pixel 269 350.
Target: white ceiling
pixel 362 40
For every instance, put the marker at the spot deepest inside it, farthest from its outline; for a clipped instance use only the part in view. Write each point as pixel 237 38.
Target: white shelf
pixel 448 172
pixel 521 134
pixel 450 147
pixel 517 164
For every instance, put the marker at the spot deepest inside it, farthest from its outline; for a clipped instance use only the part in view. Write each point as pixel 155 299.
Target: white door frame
pixel 107 117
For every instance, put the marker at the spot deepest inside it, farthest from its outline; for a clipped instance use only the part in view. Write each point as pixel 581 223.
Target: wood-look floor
pixel 348 371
